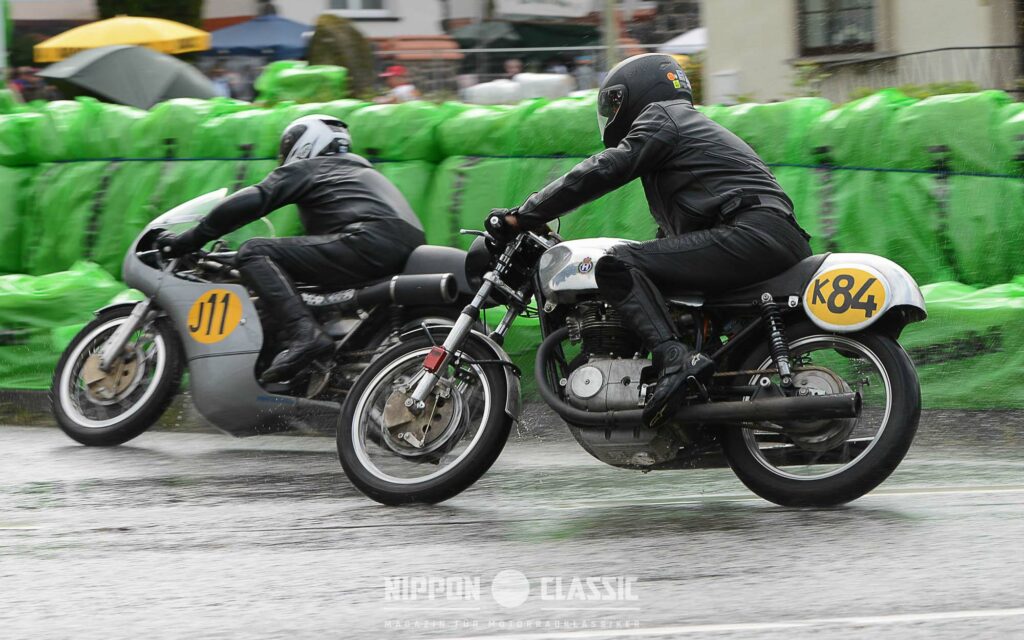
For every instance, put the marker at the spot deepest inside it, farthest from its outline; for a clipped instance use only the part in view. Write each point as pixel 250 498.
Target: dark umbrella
pixel 269 35
pixel 135 76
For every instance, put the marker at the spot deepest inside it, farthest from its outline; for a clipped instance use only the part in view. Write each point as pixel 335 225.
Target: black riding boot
pixel 307 341
pixel 641 306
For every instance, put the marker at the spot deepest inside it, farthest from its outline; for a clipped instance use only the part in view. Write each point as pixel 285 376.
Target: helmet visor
pixel 609 101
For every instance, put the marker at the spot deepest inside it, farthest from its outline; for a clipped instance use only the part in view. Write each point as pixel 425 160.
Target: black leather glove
pixel 498 227
pixel 173 245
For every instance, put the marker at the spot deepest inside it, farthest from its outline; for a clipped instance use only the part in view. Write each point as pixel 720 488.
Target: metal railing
pixel 995 67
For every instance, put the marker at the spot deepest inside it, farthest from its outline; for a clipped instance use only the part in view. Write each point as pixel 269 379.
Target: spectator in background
pixel 400 89
pixel 221 84
pixel 513 67
pixel 14 84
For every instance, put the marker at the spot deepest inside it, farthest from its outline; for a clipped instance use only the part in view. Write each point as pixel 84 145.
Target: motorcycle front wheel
pixel 826 463
pixel 395 457
pixel 105 409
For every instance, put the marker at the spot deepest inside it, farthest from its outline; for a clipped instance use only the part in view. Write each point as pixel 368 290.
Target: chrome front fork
pixel 426 384
pixel 114 345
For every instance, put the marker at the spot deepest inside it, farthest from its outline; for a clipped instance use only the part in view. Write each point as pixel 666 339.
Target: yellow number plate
pixel 214 316
pixel 845 297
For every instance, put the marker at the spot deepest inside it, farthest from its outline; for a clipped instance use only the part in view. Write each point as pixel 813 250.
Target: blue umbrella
pixel 270 35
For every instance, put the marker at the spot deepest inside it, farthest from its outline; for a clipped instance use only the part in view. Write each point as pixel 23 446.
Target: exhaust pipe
pixel 411 291
pixel 840 405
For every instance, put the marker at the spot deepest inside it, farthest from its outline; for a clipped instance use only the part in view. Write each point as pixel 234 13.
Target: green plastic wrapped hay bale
pixel 403 131
pixel 777 131
pixel 463 192
pixel 986 221
pixel 804 186
pixel 413 179
pixel 969 354
pixel 562 127
pixel 15 183
pixel 1010 138
pixel 9 103
pixel 860 133
pixel 967 124
pixel 22 139
pixel 244 134
pixel 314 83
pixel 62 216
pixel 125 208
pixel 266 83
pixel 485 130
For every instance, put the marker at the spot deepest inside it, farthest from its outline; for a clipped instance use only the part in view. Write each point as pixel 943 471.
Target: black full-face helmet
pixel 633 84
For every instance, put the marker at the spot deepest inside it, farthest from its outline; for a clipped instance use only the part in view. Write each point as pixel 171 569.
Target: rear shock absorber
pixel 777 342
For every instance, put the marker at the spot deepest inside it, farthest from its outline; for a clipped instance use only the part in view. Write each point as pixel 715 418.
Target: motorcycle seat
pixel 791 282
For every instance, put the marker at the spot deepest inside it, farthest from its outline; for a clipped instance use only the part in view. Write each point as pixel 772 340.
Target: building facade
pixel 768 50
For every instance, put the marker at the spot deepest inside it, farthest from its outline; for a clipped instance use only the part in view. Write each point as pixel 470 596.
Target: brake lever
pixel 473 232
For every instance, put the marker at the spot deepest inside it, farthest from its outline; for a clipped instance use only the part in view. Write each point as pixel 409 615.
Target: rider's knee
pixel 613 276
pixel 250 249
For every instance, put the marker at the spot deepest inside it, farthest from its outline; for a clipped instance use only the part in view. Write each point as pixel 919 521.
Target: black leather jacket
pixel 696 174
pixel 332 193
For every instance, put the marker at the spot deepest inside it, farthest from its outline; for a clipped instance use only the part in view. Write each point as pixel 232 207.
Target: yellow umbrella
pixel 165 36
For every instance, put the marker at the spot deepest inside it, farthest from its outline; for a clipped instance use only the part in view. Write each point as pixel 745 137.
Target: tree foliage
pixel 185 11
pixel 336 41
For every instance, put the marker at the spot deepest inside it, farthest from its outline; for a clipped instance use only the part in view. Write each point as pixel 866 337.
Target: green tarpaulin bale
pixel 413 179
pixel 22 139
pixel 51 300
pixel 126 209
pixel 485 130
pixel 715 112
pixel 969 353
pixel 777 131
pixel 859 133
pixel 804 188
pixel 244 134
pixel 117 123
pixel 8 103
pixel 986 218
pixel 32 308
pixel 396 131
pixel 918 239
pixel 314 83
pixel 15 183
pixel 266 83
pixel 463 192
pixel 62 216
pixel 563 127
pixel 966 123
pixel 178 121
pixel 182 181
pixel 864 222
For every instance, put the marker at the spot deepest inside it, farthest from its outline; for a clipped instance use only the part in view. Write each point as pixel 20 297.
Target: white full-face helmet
pixel 311 136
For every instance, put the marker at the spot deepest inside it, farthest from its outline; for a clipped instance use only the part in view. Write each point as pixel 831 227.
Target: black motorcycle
pixel 814 403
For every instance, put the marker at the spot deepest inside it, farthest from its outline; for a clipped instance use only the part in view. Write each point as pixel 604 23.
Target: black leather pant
pixel 364 252
pixel 753 246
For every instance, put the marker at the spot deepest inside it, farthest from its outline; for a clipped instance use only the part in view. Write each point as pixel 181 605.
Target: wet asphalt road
pixel 199 535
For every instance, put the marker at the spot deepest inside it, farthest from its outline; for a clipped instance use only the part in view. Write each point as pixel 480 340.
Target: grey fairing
pixel 222 375
pixel 513 397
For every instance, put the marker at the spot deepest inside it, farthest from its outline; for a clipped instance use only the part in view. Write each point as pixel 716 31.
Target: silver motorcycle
pixel 120 373
pixel 814 403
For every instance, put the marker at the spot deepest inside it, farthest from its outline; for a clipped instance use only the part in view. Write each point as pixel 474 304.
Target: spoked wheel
pixel 830 462
pixel 107 408
pixel 397 457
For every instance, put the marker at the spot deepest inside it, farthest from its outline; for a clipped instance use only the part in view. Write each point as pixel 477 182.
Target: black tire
pixel 478 460
pixel 149 410
pixel 867 473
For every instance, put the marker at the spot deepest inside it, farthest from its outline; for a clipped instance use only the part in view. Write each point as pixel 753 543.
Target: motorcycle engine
pixel 610 377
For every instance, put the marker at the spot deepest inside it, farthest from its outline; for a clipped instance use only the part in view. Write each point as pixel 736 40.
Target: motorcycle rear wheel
pixel 107 422
pixel 827 471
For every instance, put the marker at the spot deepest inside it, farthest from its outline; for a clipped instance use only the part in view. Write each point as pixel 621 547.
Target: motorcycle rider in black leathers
pixel 724 220
pixel 359 228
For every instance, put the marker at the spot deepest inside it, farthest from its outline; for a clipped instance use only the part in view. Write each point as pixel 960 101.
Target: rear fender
pixel 854 291
pixel 513 397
